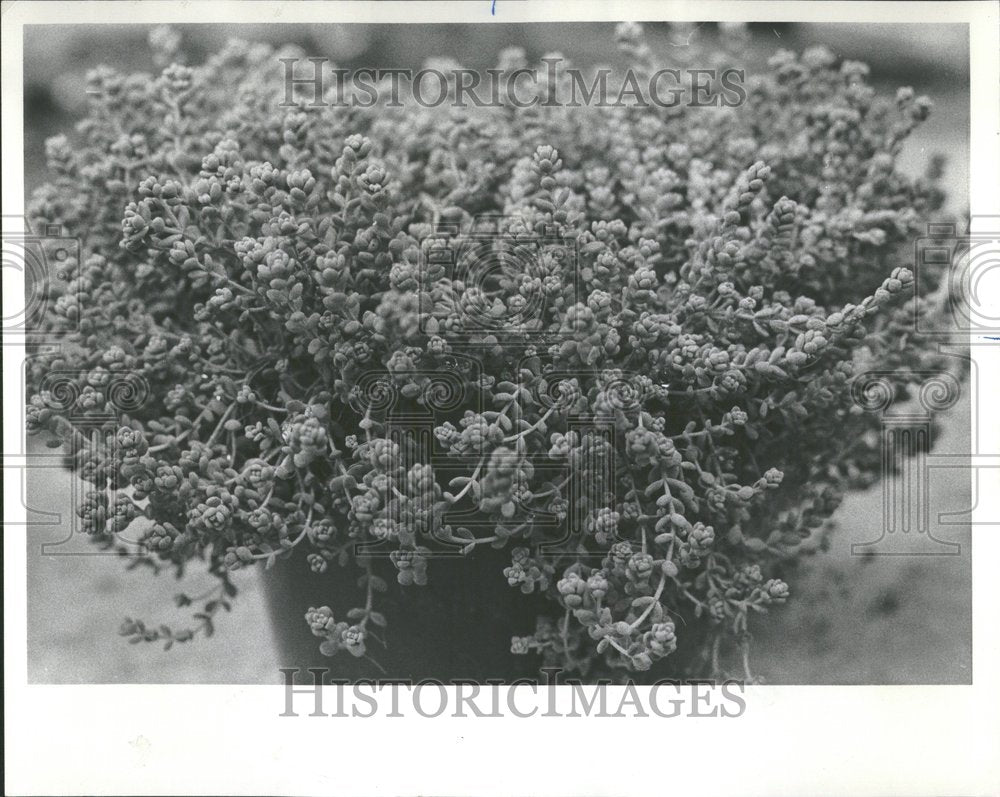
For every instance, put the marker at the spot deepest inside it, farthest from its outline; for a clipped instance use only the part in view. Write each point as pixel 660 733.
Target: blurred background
pixel 853 620
pixel 933 59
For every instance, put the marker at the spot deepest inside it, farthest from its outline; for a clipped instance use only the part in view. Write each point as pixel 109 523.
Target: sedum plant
pixel 611 347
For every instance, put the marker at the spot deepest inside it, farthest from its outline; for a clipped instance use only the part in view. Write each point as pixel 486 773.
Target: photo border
pixel 791 740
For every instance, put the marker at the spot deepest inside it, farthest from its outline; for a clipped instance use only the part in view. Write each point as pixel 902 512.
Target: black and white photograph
pixel 471 372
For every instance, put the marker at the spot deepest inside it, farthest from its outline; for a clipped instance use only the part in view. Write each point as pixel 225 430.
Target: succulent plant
pixel 618 342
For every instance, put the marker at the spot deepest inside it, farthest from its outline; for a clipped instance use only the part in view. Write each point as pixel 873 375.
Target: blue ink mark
pixel 991 337
pixel 493 8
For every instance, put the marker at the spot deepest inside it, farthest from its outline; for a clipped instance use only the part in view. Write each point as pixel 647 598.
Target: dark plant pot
pixel 456 627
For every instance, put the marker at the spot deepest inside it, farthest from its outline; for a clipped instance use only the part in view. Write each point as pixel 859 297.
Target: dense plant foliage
pixel 617 342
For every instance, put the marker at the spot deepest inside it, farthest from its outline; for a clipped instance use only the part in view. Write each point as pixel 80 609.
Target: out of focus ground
pixel 880 619
pixel 77 600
